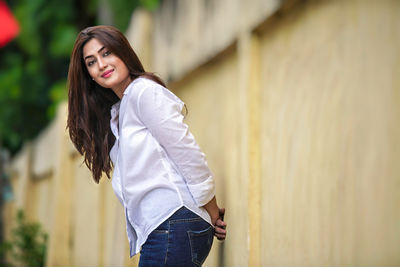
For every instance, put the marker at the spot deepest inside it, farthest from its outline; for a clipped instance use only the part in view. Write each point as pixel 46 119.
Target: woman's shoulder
pixel 143 83
pixel 146 82
pixel 140 84
pixel 145 90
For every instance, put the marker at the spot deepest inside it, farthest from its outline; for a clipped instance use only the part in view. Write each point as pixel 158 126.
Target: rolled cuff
pixel 203 192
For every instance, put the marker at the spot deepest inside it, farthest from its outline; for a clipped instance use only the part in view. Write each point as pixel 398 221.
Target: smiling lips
pixel 107 74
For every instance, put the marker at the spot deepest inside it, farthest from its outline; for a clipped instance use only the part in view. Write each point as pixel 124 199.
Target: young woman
pixel 123 117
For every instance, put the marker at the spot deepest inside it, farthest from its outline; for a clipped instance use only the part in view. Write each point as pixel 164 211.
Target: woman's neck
pixel 120 89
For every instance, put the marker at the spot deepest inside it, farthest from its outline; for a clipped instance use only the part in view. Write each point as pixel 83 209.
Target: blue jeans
pixel 184 239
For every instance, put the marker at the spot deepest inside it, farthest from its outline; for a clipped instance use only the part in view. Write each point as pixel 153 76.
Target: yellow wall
pixel 319 184
pixel 330 135
pixel 298 117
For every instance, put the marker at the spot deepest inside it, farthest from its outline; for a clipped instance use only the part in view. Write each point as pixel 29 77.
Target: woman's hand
pixel 217 218
pixel 220 226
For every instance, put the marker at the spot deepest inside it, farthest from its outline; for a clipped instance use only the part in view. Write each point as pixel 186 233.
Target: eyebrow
pixel 97 52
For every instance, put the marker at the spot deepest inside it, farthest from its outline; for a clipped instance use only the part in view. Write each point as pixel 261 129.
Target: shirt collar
pixel 115 107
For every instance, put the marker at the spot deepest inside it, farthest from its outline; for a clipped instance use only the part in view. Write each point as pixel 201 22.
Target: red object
pixel 9 27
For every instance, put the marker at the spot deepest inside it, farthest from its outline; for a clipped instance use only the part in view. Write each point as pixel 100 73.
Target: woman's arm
pixel 160 112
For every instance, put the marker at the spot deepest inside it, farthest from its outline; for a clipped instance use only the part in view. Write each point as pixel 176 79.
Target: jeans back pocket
pixel 200 244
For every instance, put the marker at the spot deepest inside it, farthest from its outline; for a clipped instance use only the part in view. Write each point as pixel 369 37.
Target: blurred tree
pixel 27 246
pixel 33 67
pixel 122 10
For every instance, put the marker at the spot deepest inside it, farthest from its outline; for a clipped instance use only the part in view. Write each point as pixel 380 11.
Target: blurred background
pixel 295 103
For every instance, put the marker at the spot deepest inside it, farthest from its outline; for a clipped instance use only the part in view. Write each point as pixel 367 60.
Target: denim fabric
pixel 184 239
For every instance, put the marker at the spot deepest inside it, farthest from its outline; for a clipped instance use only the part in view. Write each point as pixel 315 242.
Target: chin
pixel 108 84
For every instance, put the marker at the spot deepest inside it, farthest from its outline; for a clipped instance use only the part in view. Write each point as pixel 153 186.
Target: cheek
pixel 121 65
pixel 91 72
pixel 126 71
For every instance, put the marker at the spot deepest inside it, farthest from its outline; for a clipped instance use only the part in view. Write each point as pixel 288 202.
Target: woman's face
pixel 106 69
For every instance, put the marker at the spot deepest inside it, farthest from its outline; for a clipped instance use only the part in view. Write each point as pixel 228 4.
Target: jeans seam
pixel 159 231
pixel 186 220
pixel 166 254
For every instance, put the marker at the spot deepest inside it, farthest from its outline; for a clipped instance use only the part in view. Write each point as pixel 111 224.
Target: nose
pixel 102 63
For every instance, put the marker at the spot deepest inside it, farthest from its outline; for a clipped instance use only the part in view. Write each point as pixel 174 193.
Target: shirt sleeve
pixel 161 112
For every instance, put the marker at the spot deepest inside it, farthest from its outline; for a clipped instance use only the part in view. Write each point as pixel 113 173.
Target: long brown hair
pixel 89 104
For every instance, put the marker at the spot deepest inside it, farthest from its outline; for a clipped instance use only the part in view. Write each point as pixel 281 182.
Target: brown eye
pixel 90 63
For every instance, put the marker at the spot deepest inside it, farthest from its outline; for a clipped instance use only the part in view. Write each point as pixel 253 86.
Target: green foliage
pixel 28 244
pixel 31 65
pixel 58 93
pixel 34 66
pixel 122 10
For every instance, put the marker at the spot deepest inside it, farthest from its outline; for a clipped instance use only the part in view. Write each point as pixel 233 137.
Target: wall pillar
pixel 249 62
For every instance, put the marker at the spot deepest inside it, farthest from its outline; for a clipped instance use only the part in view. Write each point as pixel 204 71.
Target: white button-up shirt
pixel 158 166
